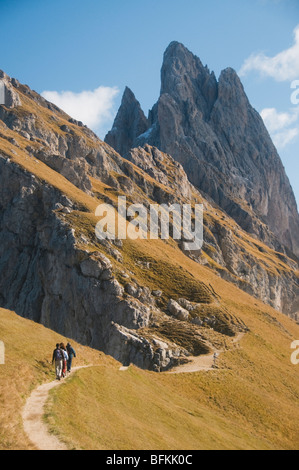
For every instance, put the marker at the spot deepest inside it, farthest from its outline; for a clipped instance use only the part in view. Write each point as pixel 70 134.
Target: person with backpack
pixel 65 359
pixel 72 354
pixel 58 359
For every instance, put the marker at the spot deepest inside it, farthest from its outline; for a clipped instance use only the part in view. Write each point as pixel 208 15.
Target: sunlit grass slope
pixel 251 402
pixel 28 354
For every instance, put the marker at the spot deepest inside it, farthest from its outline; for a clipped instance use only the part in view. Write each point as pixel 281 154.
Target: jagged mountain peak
pixel 210 127
pixel 130 121
pixel 176 51
pixel 231 87
pixel 180 67
pixel 128 95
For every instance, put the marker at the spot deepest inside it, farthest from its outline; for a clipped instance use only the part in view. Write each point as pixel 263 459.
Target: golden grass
pixel 251 403
pixel 28 356
pixel 137 410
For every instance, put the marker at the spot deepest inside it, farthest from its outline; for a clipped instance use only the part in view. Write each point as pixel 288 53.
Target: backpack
pixel 58 355
pixel 65 355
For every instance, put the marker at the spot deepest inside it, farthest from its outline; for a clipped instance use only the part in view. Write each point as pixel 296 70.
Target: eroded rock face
pixel 8 94
pixel 162 168
pixel 274 287
pixel 177 310
pixel 210 127
pixel 46 278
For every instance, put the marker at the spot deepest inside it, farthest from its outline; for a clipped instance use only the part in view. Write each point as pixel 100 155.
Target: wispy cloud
pixel 283 66
pixel 93 108
pixel 276 121
pixel 284 138
pixel 278 125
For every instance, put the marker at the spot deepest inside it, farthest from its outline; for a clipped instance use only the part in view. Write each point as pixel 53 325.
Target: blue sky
pixel 98 47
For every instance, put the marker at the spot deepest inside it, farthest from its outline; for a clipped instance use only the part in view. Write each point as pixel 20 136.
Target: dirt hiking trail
pixel 202 363
pixel 33 411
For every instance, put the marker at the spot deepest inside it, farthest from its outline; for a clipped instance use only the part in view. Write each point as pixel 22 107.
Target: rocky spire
pixel 222 143
pixel 183 75
pixel 129 123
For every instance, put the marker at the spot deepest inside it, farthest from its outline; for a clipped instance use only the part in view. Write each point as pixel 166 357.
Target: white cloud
pixel 278 125
pixel 276 121
pixel 284 66
pixel 284 138
pixel 93 108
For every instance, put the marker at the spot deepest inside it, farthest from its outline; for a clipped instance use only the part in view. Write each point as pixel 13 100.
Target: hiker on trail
pixel 65 358
pixel 72 354
pixel 58 359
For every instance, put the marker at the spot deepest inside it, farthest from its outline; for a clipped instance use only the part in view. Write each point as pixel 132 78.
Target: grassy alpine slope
pixel 249 403
pixel 28 355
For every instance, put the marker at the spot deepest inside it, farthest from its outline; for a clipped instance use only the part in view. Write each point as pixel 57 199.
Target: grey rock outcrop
pixel 162 168
pixel 126 346
pixel 177 310
pixel 8 95
pixel 45 277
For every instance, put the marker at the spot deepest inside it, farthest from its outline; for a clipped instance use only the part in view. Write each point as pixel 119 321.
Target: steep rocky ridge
pixel 210 127
pixel 47 277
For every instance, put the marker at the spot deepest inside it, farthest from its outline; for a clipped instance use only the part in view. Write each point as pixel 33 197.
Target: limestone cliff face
pixel 48 272
pixel 210 127
pixel 47 277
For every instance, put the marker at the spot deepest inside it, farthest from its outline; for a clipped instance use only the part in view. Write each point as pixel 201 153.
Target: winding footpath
pixel 33 413
pixel 202 363
pixel 34 409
